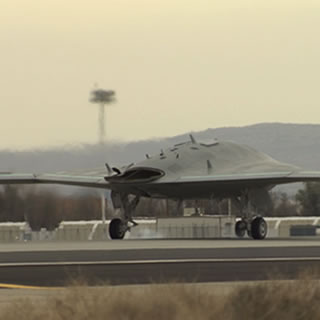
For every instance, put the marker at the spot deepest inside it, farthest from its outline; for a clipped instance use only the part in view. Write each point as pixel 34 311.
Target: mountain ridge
pixel 298 144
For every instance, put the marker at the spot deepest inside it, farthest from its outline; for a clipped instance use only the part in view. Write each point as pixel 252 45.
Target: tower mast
pixel 103 98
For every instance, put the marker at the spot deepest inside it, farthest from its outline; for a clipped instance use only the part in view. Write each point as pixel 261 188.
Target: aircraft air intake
pixel 136 175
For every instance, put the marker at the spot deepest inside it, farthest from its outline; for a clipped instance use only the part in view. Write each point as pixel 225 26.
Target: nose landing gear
pixel 119 226
pixel 117 229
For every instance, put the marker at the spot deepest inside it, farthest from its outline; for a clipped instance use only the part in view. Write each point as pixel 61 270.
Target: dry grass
pixel 278 300
pixel 298 299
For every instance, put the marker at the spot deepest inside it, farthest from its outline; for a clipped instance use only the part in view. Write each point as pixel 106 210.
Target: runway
pixel 145 261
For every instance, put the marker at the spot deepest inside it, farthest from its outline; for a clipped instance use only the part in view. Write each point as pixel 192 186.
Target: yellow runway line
pixel 18 286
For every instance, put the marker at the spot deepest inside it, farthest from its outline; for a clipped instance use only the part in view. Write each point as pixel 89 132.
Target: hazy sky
pixel 175 66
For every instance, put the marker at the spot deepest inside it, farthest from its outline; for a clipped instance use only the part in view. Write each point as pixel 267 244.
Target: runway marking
pixel 18 286
pixel 166 261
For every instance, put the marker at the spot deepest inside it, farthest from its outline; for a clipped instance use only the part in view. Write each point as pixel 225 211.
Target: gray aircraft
pixel 188 170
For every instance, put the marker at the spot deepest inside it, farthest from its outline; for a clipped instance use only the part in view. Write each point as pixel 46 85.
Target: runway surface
pixel 144 261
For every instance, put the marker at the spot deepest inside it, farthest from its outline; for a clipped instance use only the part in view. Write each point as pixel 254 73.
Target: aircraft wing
pixel 17 178
pixel 93 178
pixel 262 178
pixel 87 178
pixel 73 180
pixel 96 179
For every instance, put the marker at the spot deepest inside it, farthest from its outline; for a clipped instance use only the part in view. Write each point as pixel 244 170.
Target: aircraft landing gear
pixel 259 228
pixel 240 228
pixel 255 226
pixel 118 227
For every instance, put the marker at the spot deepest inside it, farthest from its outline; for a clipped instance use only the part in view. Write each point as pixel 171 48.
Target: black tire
pixel 240 229
pixel 116 229
pixel 259 228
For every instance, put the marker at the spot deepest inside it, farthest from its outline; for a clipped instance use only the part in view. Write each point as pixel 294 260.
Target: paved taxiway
pixel 143 261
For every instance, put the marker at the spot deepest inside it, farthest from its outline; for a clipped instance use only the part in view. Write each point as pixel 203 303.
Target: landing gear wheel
pixel 240 228
pixel 259 228
pixel 117 229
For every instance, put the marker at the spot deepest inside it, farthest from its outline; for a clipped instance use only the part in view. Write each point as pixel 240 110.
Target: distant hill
pixel 298 144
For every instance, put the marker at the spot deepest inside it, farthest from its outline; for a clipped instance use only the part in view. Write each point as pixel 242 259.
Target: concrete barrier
pixel 11 231
pixel 281 226
pixel 196 227
pixel 303 230
pixel 182 227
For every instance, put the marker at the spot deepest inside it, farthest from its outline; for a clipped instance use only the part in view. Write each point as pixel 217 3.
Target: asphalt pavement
pixel 145 261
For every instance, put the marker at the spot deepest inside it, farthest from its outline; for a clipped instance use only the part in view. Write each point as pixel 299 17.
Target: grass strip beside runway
pixel 268 300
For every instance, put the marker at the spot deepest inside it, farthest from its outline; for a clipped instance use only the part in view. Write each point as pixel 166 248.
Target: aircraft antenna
pixel 102 98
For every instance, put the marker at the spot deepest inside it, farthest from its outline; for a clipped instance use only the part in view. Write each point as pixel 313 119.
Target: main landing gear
pixel 119 226
pixel 255 226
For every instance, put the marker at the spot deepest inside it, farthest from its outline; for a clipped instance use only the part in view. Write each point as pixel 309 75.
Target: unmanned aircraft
pixel 188 170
